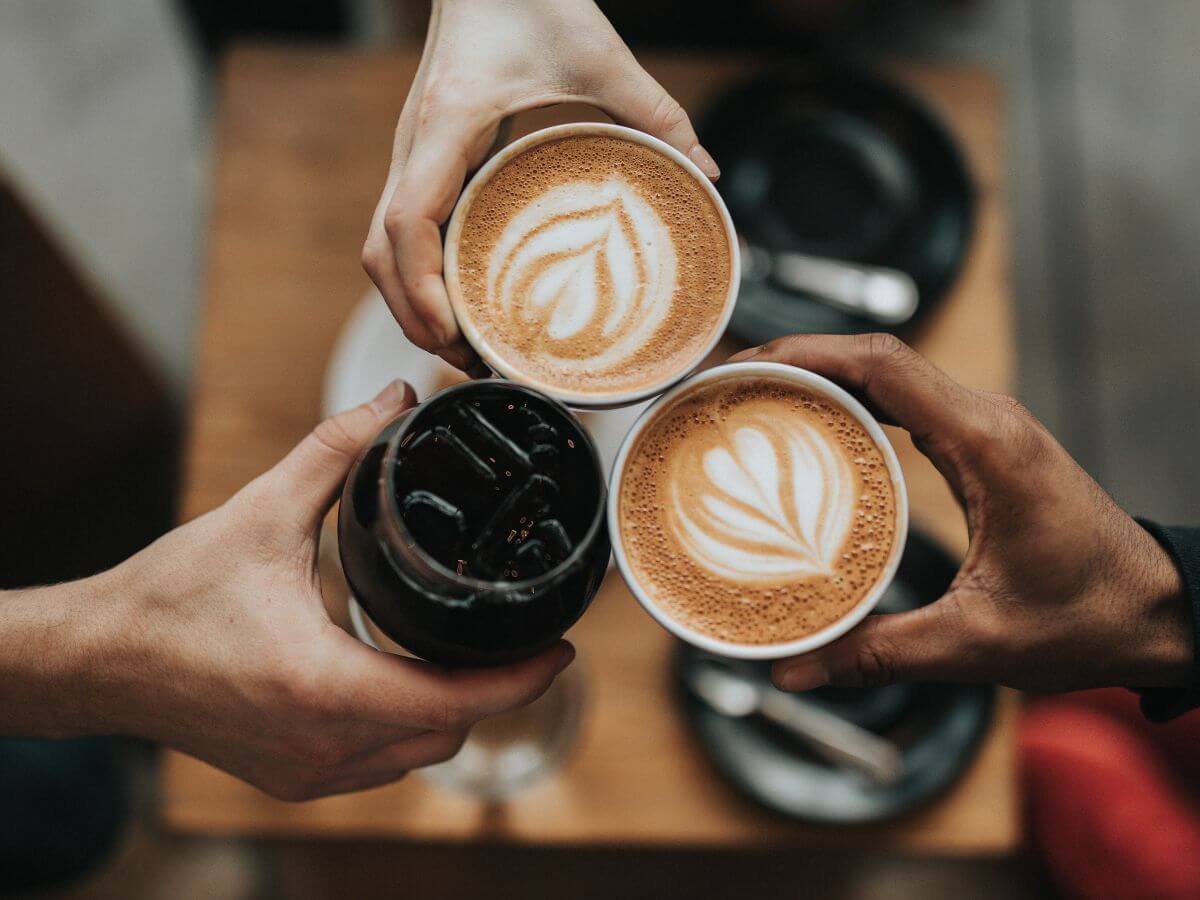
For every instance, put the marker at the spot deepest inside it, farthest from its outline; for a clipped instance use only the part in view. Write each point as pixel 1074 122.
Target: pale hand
pixel 215 640
pixel 485 60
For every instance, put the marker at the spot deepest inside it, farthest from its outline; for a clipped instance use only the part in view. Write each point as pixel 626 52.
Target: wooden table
pixel 302 148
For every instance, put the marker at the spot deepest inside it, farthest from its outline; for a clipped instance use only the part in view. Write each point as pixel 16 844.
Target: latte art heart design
pixel 587 272
pixel 767 499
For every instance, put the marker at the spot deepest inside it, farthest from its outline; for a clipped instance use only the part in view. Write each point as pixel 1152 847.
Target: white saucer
pixel 372 350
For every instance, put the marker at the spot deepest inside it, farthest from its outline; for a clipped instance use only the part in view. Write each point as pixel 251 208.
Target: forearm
pixel 52 654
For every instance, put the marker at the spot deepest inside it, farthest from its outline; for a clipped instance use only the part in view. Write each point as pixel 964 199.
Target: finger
pixel 379 262
pixel 388 764
pixel 427 749
pixel 351 784
pixel 389 689
pixel 354 784
pixel 429 187
pixel 894 380
pixel 308 479
pixel 932 643
pixel 461 356
pixel 635 99
pixel 479 370
pixel 378 255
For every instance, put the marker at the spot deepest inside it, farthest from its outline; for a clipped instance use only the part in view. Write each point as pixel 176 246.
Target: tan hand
pixel 217 642
pixel 485 60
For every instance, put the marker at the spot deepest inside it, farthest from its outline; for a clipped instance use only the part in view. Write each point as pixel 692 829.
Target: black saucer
pixel 938 727
pixel 831 160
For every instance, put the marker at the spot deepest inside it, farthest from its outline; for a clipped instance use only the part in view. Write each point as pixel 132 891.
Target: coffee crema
pixel 594 264
pixel 756 511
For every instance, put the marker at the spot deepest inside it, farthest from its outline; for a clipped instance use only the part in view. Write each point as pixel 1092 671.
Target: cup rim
pixel 582 399
pixel 834 630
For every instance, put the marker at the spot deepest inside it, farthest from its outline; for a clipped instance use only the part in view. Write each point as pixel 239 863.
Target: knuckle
pixel 431 103
pixel 290 685
pixel 374 258
pixel 454 715
pixel 449 747
pixel 977 629
pixel 885 349
pixel 425 331
pixel 395 223
pixel 1016 407
pixel 1029 445
pixel 668 115
pixel 327 752
pixel 310 751
pixel 296 790
pixel 426 341
pixel 598 61
pixel 1003 436
pixel 871 666
pixel 1007 403
pixel 445 94
pixel 783 346
pixel 333 435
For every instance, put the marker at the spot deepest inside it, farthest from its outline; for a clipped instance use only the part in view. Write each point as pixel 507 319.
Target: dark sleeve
pixel 1183 544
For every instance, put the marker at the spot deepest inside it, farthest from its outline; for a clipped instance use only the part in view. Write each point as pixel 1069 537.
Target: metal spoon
pixel 878 293
pixel 833 738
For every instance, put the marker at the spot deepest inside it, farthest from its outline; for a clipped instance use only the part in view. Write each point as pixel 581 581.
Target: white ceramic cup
pixel 818 385
pixel 495 361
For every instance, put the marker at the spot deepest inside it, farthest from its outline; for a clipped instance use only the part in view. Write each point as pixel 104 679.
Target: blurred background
pixel 106 136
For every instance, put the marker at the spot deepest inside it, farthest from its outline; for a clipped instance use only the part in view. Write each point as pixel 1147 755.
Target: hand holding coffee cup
pixel 1061 589
pixel 484 62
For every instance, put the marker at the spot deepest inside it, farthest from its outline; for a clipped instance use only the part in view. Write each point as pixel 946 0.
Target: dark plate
pixel 938 727
pixel 831 160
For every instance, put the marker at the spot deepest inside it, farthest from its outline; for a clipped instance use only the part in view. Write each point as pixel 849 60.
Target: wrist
pixel 111 664
pixel 1164 634
pixel 52 643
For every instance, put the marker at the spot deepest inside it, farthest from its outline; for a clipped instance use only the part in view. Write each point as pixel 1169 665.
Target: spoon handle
pixel 833 738
pixel 887 296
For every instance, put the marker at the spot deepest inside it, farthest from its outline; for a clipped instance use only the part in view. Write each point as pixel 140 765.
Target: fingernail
pixel 802 675
pixel 395 397
pixel 566 657
pixel 706 163
pixel 748 353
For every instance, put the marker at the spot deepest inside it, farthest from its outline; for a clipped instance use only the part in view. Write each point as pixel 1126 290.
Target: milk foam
pixel 585 257
pixel 756 511
pixel 593 264
pixel 763 499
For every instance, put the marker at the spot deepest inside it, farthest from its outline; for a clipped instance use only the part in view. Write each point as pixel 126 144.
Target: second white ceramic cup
pixel 818 385
pixel 494 360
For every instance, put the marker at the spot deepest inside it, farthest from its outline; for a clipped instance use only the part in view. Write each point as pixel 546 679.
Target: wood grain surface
pixel 302 150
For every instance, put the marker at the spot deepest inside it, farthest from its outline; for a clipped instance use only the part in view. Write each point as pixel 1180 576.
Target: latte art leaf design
pixel 585 274
pixel 766 499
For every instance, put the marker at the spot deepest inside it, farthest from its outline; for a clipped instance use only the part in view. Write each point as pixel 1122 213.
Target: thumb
pixel 308 479
pixel 921 645
pixel 635 99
